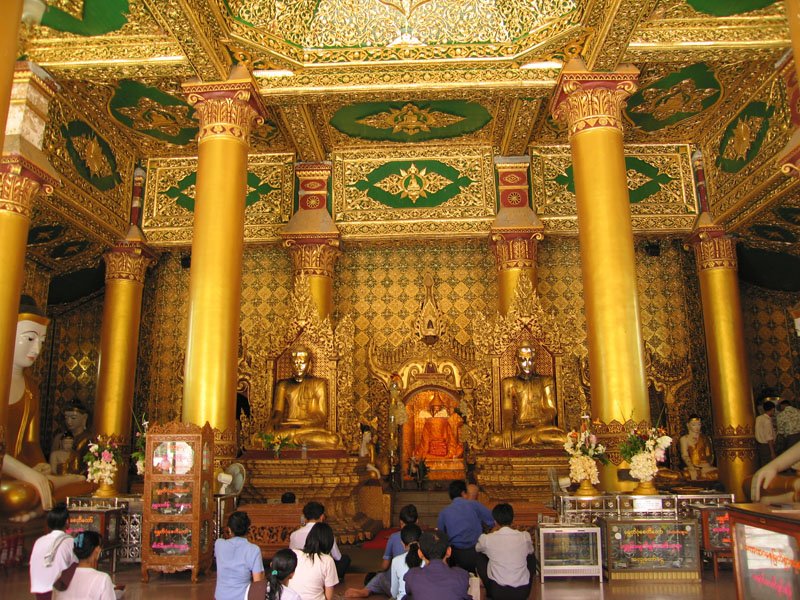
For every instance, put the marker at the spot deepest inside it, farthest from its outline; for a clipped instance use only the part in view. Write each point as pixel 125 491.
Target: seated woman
pixel 282 569
pixel 237 560
pixel 87 583
pixel 315 575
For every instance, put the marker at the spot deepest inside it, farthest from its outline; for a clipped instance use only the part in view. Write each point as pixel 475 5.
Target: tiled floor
pixel 177 586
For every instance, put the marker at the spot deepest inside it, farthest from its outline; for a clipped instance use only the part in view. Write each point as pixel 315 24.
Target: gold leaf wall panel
pixel 74 348
pixel 167 223
pixel 671 207
pixel 772 344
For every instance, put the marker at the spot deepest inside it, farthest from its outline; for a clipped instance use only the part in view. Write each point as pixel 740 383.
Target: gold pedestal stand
pixel 508 475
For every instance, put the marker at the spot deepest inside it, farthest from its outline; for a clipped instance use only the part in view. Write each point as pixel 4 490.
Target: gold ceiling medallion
pixel 149 114
pixel 410 119
pixel 91 153
pixel 413 183
pixel 744 134
pixel 682 97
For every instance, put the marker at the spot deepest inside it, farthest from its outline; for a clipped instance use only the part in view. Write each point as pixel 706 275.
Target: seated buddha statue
pixel 76 419
pixel 27 485
pixel 438 439
pixel 300 406
pixel 527 408
pixel 697 452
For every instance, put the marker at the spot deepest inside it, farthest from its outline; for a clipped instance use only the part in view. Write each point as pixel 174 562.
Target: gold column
pixel 729 374
pixel 126 264
pixel 591 104
pixel 24 172
pixel 516 231
pixel 311 237
pixel 226 111
pixel 9 29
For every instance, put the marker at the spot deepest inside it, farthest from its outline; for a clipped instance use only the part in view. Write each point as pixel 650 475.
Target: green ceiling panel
pixel 773 233
pixel 413 183
pixel 99 17
pixel 646 179
pixel 724 8
pixel 183 192
pixel 91 155
pixel 410 121
pixel 149 111
pixel 743 137
pixel 674 98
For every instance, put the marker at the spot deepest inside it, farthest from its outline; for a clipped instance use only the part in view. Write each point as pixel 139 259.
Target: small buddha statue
pixel 300 406
pixel 64 459
pixel 76 419
pixel 527 408
pixel 28 486
pixel 697 452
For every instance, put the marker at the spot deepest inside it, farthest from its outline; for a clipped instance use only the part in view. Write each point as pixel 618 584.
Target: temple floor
pixel 14 584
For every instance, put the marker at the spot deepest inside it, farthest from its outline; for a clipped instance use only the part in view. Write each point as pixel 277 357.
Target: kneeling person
pixel 505 558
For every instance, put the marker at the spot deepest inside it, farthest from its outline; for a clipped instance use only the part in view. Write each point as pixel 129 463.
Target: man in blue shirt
pixel 436 580
pixel 463 521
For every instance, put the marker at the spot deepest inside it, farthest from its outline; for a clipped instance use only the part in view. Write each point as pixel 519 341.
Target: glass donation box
pixel 766 542
pixel 569 551
pixel 651 549
pixel 178 505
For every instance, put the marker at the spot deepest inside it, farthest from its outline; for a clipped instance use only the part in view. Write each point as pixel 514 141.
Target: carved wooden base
pixel 508 475
pixel 327 476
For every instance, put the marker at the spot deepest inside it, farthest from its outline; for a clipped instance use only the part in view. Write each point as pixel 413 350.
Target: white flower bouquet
pixel 584 451
pixel 644 449
pixel 103 458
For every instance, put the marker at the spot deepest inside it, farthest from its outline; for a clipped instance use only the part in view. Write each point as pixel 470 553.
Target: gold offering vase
pixel 105 491
pixel 586 488
pixel 645 488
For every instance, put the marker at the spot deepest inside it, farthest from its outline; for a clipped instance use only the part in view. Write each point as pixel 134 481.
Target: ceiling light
pixel 543 64
pixel 273 73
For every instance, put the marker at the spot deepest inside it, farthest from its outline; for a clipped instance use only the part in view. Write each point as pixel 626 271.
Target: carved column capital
pixel 128 260
pixel 313 256
pixel 515 250
pixel 734 443
pixel 20 182
pixel 586 100
pixel 227 108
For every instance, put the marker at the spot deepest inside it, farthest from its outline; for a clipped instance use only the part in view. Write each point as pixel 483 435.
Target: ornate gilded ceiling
pixel 448 82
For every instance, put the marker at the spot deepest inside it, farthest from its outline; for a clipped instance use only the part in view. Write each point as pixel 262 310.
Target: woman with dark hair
pixel 315 575
pixel 281 571
pixel 237 560
pixel 402 563
pixel 87 583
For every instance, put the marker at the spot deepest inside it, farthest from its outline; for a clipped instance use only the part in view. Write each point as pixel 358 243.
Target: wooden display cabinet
pixel 766 550
pixel 178 499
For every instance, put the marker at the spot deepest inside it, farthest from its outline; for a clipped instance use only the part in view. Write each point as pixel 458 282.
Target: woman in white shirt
pixel 87 583
pixel 409 535
pixel 315 575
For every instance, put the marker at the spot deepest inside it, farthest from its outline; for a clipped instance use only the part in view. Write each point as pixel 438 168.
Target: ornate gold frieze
pixel 614 23
pixel 299 123
pixel 169 198
pixel 734 442
pixel 660 181
pixel 715 253
pixel 227 108
pixel 469 210
pixel 128 260
pixel 587 100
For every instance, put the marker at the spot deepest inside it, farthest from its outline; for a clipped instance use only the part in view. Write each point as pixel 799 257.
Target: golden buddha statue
pixel 697 452
pixel 300 406
pixel 527 407
pixel 76 419
pixel 28 485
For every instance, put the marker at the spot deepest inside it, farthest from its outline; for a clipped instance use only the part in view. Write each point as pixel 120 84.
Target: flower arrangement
pixel 139 443
pixel 276 443
pixel 103 458
pixel 584 451
pixel 643 449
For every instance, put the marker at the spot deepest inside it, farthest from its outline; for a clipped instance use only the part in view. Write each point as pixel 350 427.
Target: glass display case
pixel 569 551
pixel 715 525
pixel 651 549
pixel 766 550
pixel 105 520
pixel 178 508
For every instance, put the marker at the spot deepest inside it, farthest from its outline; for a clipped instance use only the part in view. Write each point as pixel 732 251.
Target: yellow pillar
pixel 9 29
pixel 591 104
pixel 729 375
pixel 227 110
pixel 516 231
pixel 311 237
pixel 24 172
pixel 126 264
